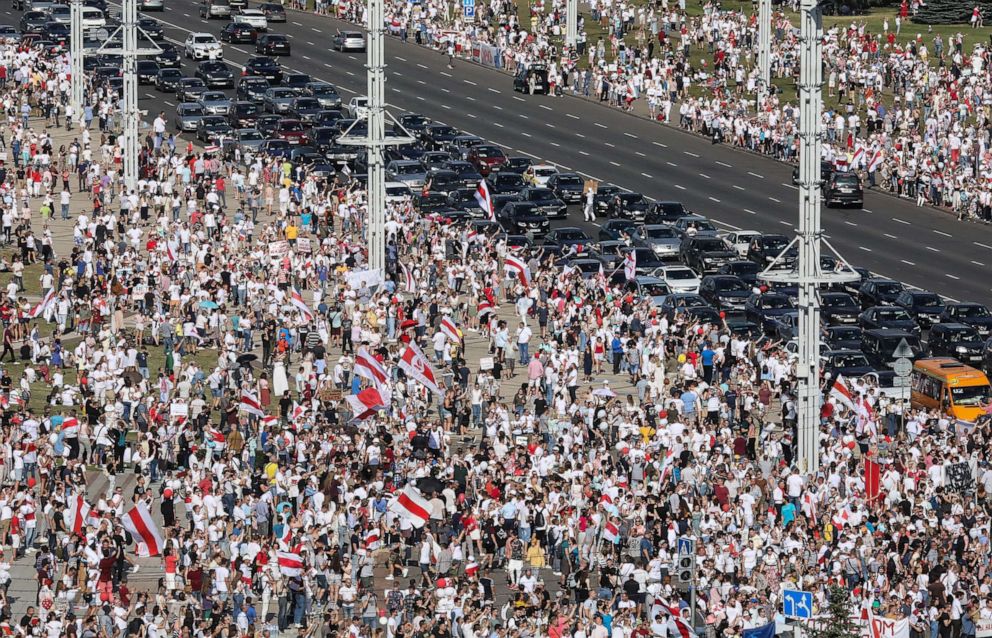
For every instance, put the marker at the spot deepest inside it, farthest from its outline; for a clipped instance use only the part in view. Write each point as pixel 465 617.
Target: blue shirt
pixel 708 357
pixel 688 402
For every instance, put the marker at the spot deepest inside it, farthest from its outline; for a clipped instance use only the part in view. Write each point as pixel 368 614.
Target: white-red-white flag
pixel 367 402
pixel 368 367
pixel 411 284
pixel 290 563
pixel 485 199
pixel 138 521
pixel 76 514
pixel 630 265
pixel 514 264
pixel 70 427
pixel 43 305
pixel 250 404
pixel 414 363
pixel 410 505
pixel 371 539
pixel 450 330
pixel 611 532
pixel 484 309
pixel 842 392
pixel 876 160
pixel 217 438
pixel 297 300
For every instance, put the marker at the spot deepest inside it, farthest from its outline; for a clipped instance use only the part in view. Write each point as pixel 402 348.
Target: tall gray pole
pixel 76 55
pixel 810 98
pixel 764 47
pixel 375 234
pixel 571 23
pixel 131 115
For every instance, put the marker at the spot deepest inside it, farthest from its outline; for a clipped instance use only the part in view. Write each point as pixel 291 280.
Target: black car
pixel 879 291
pixel 838 308
pixel 880 346
pixel 152 28
pixel 725 292
pixel 517 164
pixel 569 240
pixel 849 363
pixel 167 80
pixel 891 317
pixel 465 171
pixel 57 32
pixel 267 123
pixel 445 181
pixel 746 270
pixel 252 88
pixel 274 12
pixel 763 250
pixel 681 302
pixel 244 114
pixel 147 71
pixel 297 81
pixel 34 21
pixel 501 181
pixel 215 74
pixel 630 205
pixel 168 57
pixel 973 314
pixel 956 340
pixel 546 201
pixel 761 309
pixel 843 189
pixel 436 136
pixel 412 123
pixel 826 170
pixel 926 307
pixel 272 44
pixel 265 67
pixel 665 212
pixel 842 337
pixel 568 187
pixel 212 127
pixel 238 33
pixel 190 89
pixel 305 109
pixel 603 197
pixel 522 218
pixel 706 254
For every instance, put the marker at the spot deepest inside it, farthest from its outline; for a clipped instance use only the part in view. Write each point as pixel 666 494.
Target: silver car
pixel 660 238
pixel 349 41
pixel 215 103
pixel 188 116
pixel 409 172
pixel 325 93
pixel 247 140
pixel 278 99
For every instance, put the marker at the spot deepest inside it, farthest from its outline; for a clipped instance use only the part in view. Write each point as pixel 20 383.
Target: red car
pixel 486 157
pixel 292 131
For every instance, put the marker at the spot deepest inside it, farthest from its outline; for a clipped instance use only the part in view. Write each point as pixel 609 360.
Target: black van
pixel 843 189
pixel 880 344
pixel 957 340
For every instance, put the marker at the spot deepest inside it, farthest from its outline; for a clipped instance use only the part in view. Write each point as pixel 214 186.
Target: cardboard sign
pixel 303 245
pixel 486 363
pixel 179 409
pixel 279 249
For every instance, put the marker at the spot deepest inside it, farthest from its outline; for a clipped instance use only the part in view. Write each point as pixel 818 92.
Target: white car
pixel 203 46
pixel 93 18
pixel 539 174
pixel 253 17
pixel 397 193
pixel 679 278
pixel 358 107
pixel 740 240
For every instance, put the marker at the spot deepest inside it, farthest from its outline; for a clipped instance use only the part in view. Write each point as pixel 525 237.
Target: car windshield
pixel 846 180
pixel 250 136
pixel 290 127
pixel 677 274
pixel 572 234
pixel 692 301
pixel 712 244
pixel 489 152
pixel 203 39
pixel 892 315
pixel 836 301
pixel 775 243
pixel 545 172
pixel 660 233
pixel 731 285
pixel 970 395
pixel 889 288
pixel 324 90
pixel 542 194
pixel 654 289
pixel 972 312
pixel 850 360
pixel 191 109
pixel 777 303
pixel 929 300
pixel 407 169
pixel 845 333
pixel 570 180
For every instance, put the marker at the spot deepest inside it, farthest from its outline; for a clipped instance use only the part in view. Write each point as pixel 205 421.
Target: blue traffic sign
pixel 685 547
pixel 797 604
pixel 468 11
pixel 468 3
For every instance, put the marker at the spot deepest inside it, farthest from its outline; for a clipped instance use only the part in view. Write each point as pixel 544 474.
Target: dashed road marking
pixel 421 82
pixel 749 211
pixel 978 243
pixel 600 125
pixel 955 277
pixel 350 73
pixel 690 154
pixel 850 223
pixel 422 66
pixel 660 144
pixel 470 98
pixel 168 102
pixel 908 263
pixel 681 188
pixel 774 200
pixel 867 250
pixel 400 59
pixel 630 135
pixel 580 135
pixel 470 82
pixel 556 144
pixel 610 145
pixel 639 154
pixel 671 163
pixel 795 188
pixel 574 117
pixel 584 153
pixel 867 210
pixel 518 98
pixel 445 74
pixel 740 188
pixel 977 263
pixel 784 223
pixel 493 90
pixel 940 232
pixel 297 23
pixel 932 249
pixel 497 124
pixel 724 164
pixel 306 57
pixel 704 176
pixel 890 236
pixel 545 107
pixel 310 42
pixel 755 175
pixel 901 221
pixel 526 134
pixel 550 125
pixel 498 108
pixel 526 117
pixel 614 163
pixel 714 199
pixel 646 175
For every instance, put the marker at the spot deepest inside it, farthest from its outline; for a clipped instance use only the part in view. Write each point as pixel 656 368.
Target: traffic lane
pixel 547 138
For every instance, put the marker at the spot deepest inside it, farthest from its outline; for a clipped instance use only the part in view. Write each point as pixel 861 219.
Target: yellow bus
pixel 957 390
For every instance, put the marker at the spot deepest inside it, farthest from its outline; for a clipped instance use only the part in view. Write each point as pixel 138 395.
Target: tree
pixel 950 11
pixel 837 620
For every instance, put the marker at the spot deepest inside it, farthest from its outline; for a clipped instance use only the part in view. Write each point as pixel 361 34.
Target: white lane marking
pixel 445 106
pixel 518 98
pixel 396 73
pixel 630 135
pixel 901 221
pixel 554 144
pixel 614 163
pixel 530 154
pixel 421 82
pixel 724 164
pixel 867 250
pixel 690 154
pixel 977 263
pixel 352 57
pixel 149 95
pixel 297 23
pixel 526 117
pixel 671 163
pixel 497 124
pixel 580 135
pixel 942 233
pixel 350 73
pixel 951 276
pixel 600 125
pixel 395 90
pixel 550 125
pixel 574 117
pixel 470 98
pixel 850 223
pixel 646 175
pixel 784 223
pixel 977 243
pixel 749 211
pixel 315 29
pixel 714 199
pixel 445 74
pixel 650 199
pixel 610 145
pixel 660 144
pixel 639 154
pixel 704 176
pixel 470 82
pixel 740 188
pixel 680 187
pixel 590 176
pixel 867 211
pixel 306 57
pixel 498 108
pixel 400 59
pixel 584 153
pixel 755 175
pixel 932 249
pixel 908 263
pixel 471 115
pixel 774 200
pixel 311 43
pixel 240 50
pixel 421 98
pixel 328 65
pixel 493 90
pixel 421 65
pixel 526 134
pixel 546 108
pixel 168 102
pixel 890 236
pixel 795 188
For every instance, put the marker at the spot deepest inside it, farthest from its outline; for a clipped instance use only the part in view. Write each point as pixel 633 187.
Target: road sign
pixel 902 366
pixel 900 382
pixel 468 11
pixel 903 351
pixel 797 604
pixel 686 547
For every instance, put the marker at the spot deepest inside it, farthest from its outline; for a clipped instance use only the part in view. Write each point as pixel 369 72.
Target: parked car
pixel 348 41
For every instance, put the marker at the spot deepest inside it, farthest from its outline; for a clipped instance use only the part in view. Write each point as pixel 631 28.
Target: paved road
pixel 734 188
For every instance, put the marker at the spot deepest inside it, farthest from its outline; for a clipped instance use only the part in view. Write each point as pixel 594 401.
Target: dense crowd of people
pixel 212 395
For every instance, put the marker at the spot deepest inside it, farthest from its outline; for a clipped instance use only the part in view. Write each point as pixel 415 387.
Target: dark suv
pixel 843 189
pixel 957 340
pixel 879 345
pixel 524 217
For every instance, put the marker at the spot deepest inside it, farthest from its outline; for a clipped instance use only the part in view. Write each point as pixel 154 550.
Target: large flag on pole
pixel 297 299
pixel 76 514
pixel 517 265
pixel 290 563
pixel 367 402
pixel 409 504
pixel 414 363
pixel 43 305
pixel 842 392
pixel 485 199
pixel 630 266
pixel 369 367
pixel 250 404
pixel 138 521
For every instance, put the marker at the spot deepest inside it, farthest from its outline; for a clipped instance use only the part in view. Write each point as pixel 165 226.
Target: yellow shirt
pixel 291 232
pixel 270 471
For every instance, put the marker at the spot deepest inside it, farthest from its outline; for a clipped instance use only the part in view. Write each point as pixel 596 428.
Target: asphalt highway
pixel 735 189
